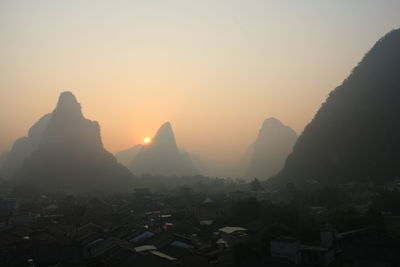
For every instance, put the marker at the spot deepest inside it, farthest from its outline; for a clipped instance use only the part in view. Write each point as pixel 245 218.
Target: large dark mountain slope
pixel 355 135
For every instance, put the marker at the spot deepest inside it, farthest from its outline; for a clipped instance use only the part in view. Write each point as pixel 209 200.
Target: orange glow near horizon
pixel 147 140
pixel 215 69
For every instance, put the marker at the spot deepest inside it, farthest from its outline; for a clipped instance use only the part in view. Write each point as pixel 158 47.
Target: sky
pixel 214 68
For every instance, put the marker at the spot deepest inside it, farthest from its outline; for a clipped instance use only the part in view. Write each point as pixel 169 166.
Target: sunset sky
pixel 215 69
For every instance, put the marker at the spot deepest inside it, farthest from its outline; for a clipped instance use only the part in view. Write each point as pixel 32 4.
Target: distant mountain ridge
pixel 70 156
pixel 268 154
pixel 355 134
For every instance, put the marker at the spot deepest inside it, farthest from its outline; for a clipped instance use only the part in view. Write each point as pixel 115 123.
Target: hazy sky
pixel 215 69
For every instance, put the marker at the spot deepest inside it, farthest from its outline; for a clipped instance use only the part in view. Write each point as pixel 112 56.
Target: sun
pixel 147 140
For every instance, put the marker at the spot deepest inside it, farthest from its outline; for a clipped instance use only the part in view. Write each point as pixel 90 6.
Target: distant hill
pixel 162 156
pixel 355 135
pixel 70 156
pixel 268 154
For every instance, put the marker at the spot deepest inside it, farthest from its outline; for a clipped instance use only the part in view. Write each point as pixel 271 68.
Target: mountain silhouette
pixel 70 156
pixel 24 147
pixel 268 154
pixel 162 156
pixel 355 134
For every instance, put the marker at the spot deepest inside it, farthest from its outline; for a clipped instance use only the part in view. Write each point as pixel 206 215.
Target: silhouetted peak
pixel 162 156
pixel 274 142
pixel 166 127
pixel 67 103
pixel 70 156
pixel 165 135
pixel 272 122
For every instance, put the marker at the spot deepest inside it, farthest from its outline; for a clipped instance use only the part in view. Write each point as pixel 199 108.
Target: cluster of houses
pixel 140 230
pixel 146 229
